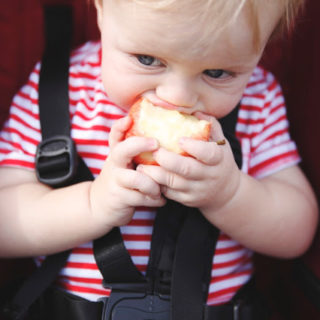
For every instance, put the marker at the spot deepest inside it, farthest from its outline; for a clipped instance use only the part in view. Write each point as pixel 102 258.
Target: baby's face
pixel 160 56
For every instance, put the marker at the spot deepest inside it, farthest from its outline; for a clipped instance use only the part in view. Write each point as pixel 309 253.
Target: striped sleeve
pixel 21 132
pixel 263 127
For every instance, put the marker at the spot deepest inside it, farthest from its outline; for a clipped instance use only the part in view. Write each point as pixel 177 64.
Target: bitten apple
pixel 167 126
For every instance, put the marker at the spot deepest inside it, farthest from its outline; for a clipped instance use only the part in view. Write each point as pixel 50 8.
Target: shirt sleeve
pixel 264 128
pixel 21 132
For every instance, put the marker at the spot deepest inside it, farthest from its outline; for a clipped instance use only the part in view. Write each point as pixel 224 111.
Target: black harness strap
pixel 192 267
pixel 114 261
pixel 56 153
pixel 167 226
pixel 56 158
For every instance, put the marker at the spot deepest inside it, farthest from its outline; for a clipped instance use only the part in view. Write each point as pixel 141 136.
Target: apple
pixel 167 126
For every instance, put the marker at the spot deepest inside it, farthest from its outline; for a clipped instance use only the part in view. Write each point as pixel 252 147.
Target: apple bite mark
pixel 167 126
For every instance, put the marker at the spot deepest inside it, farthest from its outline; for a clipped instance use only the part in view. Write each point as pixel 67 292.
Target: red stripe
pixel 255 83
pixel 94 127
pixel 271 136
pixel 250 108
pixel 230 290
pixel 136 237
pixel 81 279
pixel 259 96
pixel 22 136
pixel 230 276
pixel 25 96
pixel 283 143
pixel 26 124
pixel 82 75
pixel 15 146
pixel 4 151
pixel 101 114
pixel 139 252
pixel 86 104
pixel 251 121
pixel 224 237
pixel 229 249
pixel 79 88
pixel 81 289
pixel 273 85
pixel 95 171
pixel 17 163
pixel 27 111
pixel 252 135
pixel 278 107
pixel 92 142
pixel 90 155
pixel 81 265
pixel 82 251
pixel 141 222
pixel 33 84
pixel 220 265
pixel 282 157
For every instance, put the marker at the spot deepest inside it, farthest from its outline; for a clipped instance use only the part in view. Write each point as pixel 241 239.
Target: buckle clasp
pixel 56 161
pixel 136 304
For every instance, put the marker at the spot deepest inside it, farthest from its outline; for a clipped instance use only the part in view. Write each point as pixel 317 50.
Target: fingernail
pixel 154 143
pixel 182 140
pixel 139 168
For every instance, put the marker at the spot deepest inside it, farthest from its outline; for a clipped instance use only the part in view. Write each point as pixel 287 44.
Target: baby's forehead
pixel 161 33
pixel 205 19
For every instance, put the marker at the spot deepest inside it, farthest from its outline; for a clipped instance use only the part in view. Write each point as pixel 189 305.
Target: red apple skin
pixel 135 130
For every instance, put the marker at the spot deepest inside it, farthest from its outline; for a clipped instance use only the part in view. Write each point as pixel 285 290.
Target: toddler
pixel 198 57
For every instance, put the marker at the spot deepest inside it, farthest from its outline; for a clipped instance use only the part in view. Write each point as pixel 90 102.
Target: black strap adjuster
pixel 56 161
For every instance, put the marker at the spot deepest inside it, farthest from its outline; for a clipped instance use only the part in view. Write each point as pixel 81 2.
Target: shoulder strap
pixel 57 162
pixel 56 153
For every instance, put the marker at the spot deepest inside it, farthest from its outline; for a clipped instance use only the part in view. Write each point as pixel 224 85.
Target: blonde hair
pixel 220 13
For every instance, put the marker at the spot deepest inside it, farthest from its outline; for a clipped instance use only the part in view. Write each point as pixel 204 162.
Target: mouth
pixel 167 105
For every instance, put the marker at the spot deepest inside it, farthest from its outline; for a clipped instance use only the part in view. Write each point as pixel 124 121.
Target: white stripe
pixel 225 284
pixel 226 257
pixel 136 230
pixel 83 273
pixel 275 151
pixel 216 272
pixel 82 258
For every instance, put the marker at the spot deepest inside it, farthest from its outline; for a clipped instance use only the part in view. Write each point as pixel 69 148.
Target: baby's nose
pixel 178 91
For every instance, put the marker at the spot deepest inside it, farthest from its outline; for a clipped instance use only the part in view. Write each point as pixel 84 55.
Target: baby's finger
pixel 124 152
pixel 135 198
pixel 136 180
pixel 209 153
pixel 194 167
pixel 118 130
pixel 216 129
pixel 164 177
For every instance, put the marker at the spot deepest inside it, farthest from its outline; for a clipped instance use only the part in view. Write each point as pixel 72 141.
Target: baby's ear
pixel 98 5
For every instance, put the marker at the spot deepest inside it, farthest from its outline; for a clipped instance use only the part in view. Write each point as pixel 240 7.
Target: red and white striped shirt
pixel 262 129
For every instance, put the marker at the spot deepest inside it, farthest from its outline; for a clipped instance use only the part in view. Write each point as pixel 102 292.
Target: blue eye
pixel 148 60
pixel 215 73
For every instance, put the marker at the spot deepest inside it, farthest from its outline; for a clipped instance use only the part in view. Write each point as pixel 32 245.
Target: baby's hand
pixel 120 188
pixel 207 181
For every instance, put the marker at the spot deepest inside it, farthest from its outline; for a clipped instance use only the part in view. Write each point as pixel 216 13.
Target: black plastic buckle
pixel 56 161
pixel 124 305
